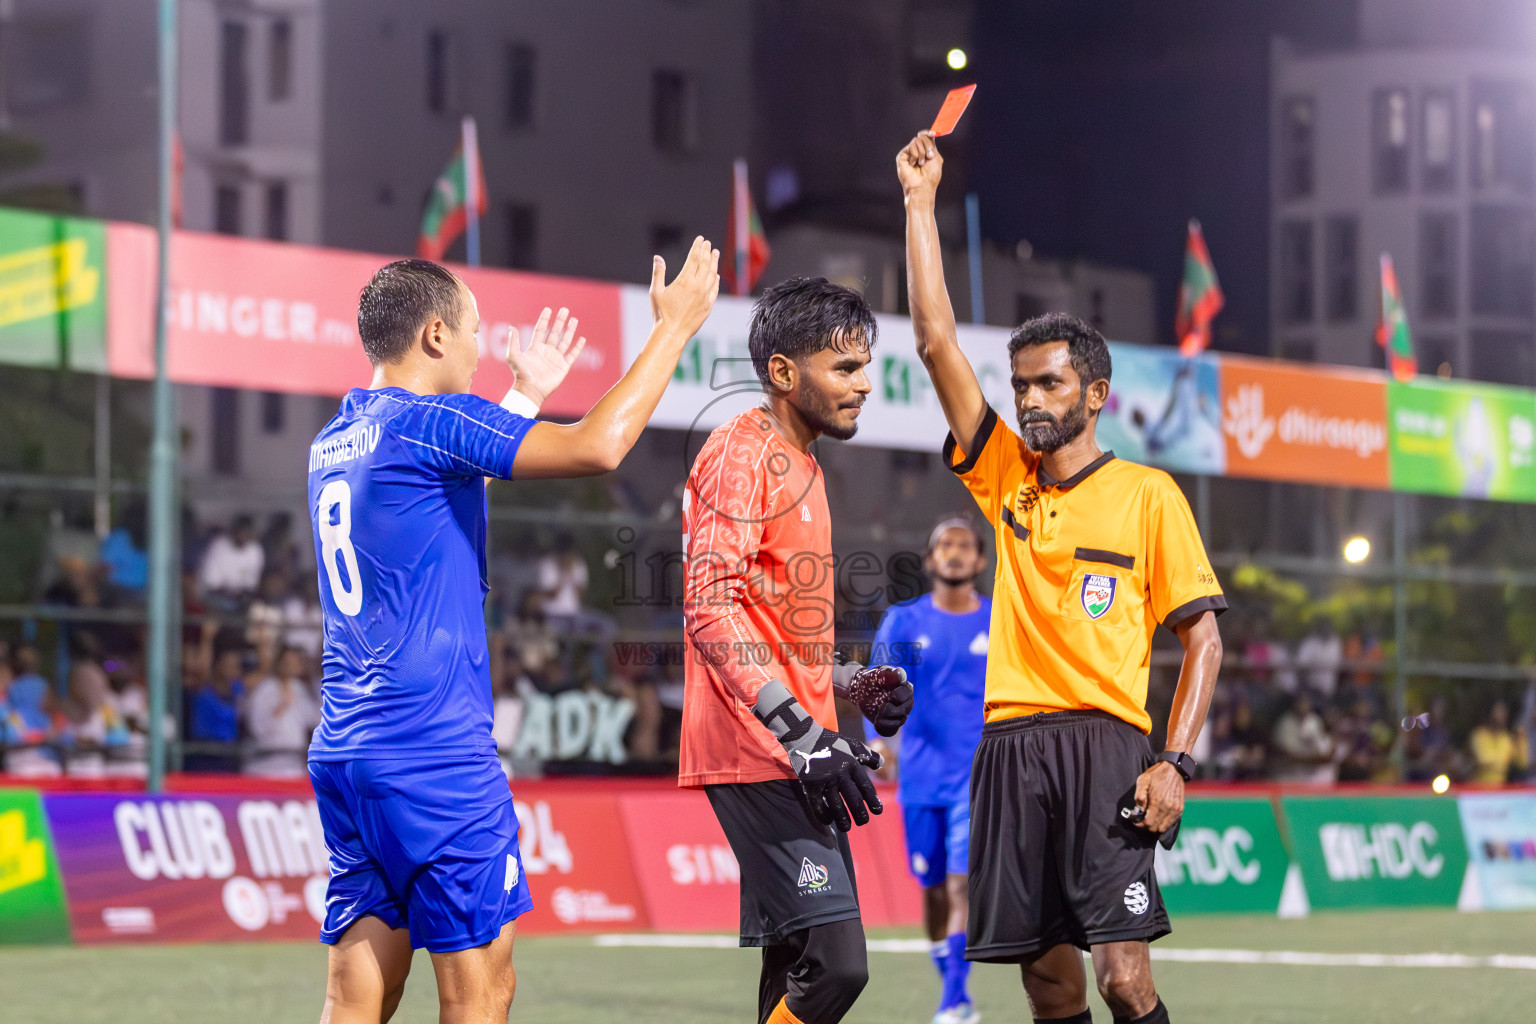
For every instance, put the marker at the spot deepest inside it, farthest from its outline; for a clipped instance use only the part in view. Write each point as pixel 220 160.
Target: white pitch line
pixel 1294 958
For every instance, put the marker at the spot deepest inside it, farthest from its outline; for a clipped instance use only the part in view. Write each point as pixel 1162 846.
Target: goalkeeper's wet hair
pixel 399 300
pixel 802 316
pixel 1085 346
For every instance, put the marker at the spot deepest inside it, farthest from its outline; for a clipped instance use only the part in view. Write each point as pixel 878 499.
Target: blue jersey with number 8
pixel 397 498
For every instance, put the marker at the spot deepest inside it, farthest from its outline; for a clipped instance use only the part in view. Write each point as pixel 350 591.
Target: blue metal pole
pixel 973 252
pixel 162 453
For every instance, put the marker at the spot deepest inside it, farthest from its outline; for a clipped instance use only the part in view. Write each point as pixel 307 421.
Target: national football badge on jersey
pixel 1098 594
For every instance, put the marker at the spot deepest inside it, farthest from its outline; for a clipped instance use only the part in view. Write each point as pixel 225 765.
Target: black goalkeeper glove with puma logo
pixel 833 769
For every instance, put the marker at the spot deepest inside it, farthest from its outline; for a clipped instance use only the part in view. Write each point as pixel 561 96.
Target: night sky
pixel 1102 127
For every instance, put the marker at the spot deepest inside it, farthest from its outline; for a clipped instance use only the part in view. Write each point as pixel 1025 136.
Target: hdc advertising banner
pixel 1308 425
pixel 1378 851
pixel 1463 440
pixel 31 891
pixel 53 291
pixel 275 316
pixel 1501 838
pixel 1228 858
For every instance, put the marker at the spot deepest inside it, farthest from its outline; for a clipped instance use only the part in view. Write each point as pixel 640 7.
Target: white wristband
pixel 520 404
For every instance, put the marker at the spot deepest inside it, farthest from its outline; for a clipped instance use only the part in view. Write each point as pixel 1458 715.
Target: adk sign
pixel 1229 858
pixel 1378 851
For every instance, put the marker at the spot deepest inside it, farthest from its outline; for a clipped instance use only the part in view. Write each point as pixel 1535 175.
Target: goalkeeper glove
pixel 882 692
pixel 833 769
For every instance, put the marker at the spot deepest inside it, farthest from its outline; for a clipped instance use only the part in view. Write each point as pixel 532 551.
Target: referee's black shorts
pixel 1052 860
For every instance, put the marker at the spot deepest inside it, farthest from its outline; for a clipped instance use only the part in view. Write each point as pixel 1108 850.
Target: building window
pixel 1298 350
pixel 1297 136
pixel 47 63
pixel 667 242
pixel 227 218
pixel 1502 129
pixel 522 236
pixel 1502 270
pixel 224 405
pixel 276 211
pixel 234 86
pixel 1503 357
pixel 1437 263
pixel 521 64
pixel 279 60
pixel 1296 284
pixel 1341 268
pixel 673 111
pixel 1437 356
pixel 437 71
pixel 1438 141
pixel 1389 136
pixel 1025 306
pixel 272 412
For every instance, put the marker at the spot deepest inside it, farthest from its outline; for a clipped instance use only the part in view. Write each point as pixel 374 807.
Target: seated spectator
pixel 123 557
pixel 231 569
pixel 563 579
pixel 1496 749
pixel 264 621
pixel 1360 743
pixel 1320 656
pixel 280 716
pixel 530 634
pixel 28 717
pixel 1303 750
pixel 1430 751
pixel 88 726
pixel 1238 745
pixel 213 715
pixel 303 621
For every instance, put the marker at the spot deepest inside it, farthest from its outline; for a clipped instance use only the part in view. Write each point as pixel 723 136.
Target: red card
pixel 954 105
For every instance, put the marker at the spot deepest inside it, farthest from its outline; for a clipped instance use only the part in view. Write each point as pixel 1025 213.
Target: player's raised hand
pixel 881 692
pixel 919 165
pixel 539 369
pixel 685 303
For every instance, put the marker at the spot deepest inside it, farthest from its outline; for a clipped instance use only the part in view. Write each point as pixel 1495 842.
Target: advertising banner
pixel 1377 851
pixel 53 291
pixel 579 871
pixel 1501 841
pixel 31 892
pixel 1303 424
pixel 690 877
pixel 275 316
pixel 1228 858
pixel 1463 439
pixel 1163 410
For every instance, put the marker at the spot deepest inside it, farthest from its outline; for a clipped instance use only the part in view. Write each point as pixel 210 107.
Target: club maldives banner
pixel 31 889
pixel 53 287
pixel 1463 439
pixel 1228 858
pixel 273 316
pixel 1378 851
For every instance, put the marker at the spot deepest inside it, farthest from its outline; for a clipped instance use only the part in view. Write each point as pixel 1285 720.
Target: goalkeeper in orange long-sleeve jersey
pixel 758 717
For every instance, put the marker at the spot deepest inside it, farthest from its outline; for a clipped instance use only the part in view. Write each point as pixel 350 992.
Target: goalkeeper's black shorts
pixel 795 872
pixel 1052 860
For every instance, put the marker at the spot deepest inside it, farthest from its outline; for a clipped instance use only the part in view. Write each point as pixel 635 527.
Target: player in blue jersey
pixel 941 640
pixel 417 813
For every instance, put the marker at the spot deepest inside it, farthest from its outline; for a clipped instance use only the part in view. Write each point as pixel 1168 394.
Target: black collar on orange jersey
pixel 1046 480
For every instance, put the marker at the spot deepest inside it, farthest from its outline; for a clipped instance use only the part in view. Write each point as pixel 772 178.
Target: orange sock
pixel 781 1015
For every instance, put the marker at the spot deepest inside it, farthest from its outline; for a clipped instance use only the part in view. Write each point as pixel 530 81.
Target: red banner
pixel 691 880
pixel 578 868
pixel 274 316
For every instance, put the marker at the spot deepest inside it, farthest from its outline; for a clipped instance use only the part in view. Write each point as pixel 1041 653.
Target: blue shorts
pixel 938 841
pixel 425 846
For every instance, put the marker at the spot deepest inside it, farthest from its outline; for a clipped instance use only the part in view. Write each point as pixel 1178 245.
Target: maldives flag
pixel 1392 329
pixel 454 193
pixel 1200 297
pixel 746 247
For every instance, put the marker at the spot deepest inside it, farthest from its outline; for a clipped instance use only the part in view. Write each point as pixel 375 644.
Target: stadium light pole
pixel 162 451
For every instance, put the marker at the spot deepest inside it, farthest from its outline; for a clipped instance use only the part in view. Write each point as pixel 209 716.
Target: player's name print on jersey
pixel 345 448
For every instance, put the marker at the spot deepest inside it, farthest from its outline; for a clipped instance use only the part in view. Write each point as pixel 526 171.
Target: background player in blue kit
pixel 941 641
pixel 418 817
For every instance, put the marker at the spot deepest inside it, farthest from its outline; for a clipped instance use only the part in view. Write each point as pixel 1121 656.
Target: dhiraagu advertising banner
pixel 1378 851
pixel 1164 410
pixel 32 906
pixel 52 291
pixel 1228 858
pixel 1462 439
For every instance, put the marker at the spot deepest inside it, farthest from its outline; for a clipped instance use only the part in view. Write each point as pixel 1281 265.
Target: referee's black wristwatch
pixel 1182 762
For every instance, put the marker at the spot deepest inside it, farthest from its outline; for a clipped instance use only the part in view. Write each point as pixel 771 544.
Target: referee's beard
pixel 1043 432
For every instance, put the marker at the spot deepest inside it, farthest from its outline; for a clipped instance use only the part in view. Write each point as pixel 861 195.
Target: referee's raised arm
pixel 919 168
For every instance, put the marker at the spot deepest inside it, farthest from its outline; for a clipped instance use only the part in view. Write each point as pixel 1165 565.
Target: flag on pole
pixel 1392 329
pixel 459 189
pixel 746 246
pixel 1200 297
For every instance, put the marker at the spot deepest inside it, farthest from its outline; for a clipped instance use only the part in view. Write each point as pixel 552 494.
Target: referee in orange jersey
pixel 1067 799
